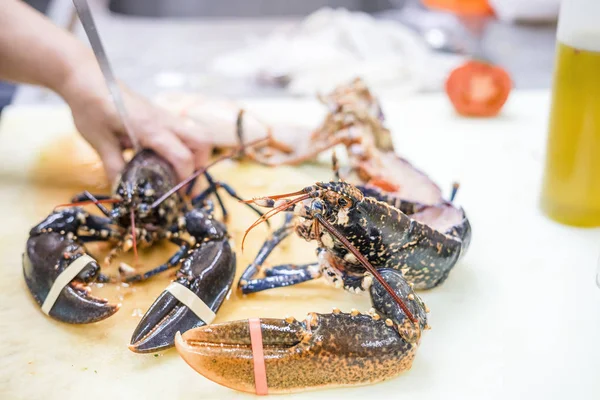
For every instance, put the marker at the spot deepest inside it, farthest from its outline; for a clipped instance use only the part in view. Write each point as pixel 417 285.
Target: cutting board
pixel 519 317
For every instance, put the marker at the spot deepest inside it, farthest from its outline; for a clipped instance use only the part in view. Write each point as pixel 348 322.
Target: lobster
pixel 146 208
pixel 356 122
pixel 366 244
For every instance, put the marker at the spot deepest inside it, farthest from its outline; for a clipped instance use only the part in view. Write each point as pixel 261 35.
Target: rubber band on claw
pixel 258 357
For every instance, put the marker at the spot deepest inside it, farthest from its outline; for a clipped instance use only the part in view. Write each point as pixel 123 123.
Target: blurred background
pixel 248 48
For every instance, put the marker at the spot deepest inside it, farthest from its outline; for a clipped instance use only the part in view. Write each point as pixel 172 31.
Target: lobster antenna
pixel 90 202
pixel 307 189
pixel 200 171
pixel 133 236
pixel 272 213
pixel 331 229
pixel 97 203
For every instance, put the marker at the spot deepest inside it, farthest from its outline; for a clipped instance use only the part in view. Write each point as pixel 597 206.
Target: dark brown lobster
pixel 146 208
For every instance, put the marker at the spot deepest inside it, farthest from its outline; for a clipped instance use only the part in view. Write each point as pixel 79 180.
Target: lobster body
pixel 144 179
pixel 365 244
pixel 389 238
pixel 146 208
pixel 389 235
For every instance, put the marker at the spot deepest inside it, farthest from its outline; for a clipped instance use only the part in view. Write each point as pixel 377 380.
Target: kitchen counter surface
pixel 518 317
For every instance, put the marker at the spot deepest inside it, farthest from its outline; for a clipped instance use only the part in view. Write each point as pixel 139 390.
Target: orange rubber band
pixel 258 357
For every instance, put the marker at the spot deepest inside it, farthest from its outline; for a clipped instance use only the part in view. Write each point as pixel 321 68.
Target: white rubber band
pixel 191 301
pixel 63 280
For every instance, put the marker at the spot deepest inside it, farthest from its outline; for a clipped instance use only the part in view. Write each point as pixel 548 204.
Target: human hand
pixel 180 142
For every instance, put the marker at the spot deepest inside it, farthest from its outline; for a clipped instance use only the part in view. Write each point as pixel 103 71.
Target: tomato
pixel 461 7
pixel 478 89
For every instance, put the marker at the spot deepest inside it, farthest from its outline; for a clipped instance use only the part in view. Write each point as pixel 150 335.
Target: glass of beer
pixel 571 186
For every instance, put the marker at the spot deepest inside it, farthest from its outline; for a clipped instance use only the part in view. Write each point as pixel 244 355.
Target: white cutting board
pixel 519 317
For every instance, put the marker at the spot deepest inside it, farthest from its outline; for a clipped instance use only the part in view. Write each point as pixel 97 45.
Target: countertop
pixel 518 318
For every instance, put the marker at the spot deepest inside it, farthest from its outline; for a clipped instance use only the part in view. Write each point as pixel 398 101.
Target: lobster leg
pixel 190 187
pixel 213 189
pixel 239 130
pixel 232 193
pixel 324 350
pixel 282 276
pixel 279 235
pixel 97 229
pixel 313 152
pixel 86 196
pixel 455 187
pixel 173 262
pixel 258 153
pixel 287 269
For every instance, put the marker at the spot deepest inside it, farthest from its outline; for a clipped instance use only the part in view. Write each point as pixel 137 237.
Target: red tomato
pixel 461 7
pixel 478 89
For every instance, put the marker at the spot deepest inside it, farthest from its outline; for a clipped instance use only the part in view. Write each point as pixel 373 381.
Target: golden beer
pixel 571 187
pixel 571 192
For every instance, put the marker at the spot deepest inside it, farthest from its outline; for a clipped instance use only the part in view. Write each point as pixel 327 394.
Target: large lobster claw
pixel 324 350
pixel 208 272
pixel 46 256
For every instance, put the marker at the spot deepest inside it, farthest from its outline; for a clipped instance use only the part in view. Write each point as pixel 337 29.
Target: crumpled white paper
pixel 333 46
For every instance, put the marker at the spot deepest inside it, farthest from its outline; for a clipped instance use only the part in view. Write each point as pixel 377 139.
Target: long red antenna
pixel 202 170
pixel 331 229
pixel 133 235
pixel 272 213
pixel 280 196
pixel 88 202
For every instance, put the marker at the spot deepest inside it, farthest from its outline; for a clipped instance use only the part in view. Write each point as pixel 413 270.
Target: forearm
pixel 34 50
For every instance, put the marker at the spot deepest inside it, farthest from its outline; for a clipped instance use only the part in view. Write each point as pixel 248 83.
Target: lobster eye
pixel 344 203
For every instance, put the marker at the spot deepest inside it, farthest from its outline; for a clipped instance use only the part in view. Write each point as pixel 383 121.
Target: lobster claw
pixel 44 260
pixel 324 350
pixel 208 273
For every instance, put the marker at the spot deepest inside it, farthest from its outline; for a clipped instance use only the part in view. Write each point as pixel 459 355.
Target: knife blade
pixel 85 16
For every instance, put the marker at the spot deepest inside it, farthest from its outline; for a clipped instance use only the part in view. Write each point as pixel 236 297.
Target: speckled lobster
pixel 374 243
pixel 146 208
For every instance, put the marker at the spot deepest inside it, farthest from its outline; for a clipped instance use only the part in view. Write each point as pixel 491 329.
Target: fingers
pixel 201 157
pixel 191 134
pixel 194 138
pixel 169 146
pixel 112 158
pixel 185 145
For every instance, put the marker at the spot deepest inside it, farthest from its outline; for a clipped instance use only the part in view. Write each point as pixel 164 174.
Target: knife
pixel 85 16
